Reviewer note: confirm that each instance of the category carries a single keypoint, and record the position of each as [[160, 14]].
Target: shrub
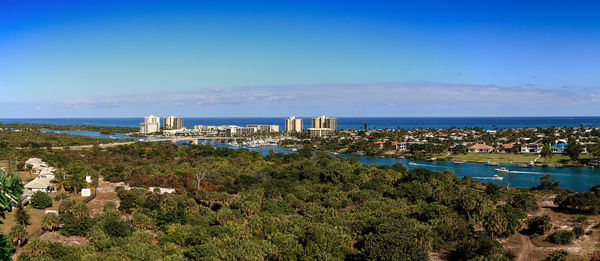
[[41, 200], [50, 222], [578, 230], [117, 228], [62, 196], [74, 227], [558, 255], [562, 237], [539, 225], [524, 201]]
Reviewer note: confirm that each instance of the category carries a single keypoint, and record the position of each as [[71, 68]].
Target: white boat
[[294, 150], [412, 163], [496, 177], [502, 170]]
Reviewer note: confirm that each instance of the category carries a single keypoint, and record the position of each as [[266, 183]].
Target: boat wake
[[489, 178], [427, 165], [536, 173]]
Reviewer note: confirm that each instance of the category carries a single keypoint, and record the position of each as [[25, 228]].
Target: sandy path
[[527, 246]]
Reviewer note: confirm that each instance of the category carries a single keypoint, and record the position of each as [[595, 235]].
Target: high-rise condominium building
[[173, 123], [151, 124], [324, 122], [293, 124]]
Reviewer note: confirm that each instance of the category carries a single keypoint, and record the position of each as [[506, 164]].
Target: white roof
[[33, 160], [39, 183]]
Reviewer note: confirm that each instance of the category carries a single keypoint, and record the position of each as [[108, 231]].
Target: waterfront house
[[480, 148], [559, 148], [402, 146], [532, 147], [505, 148]]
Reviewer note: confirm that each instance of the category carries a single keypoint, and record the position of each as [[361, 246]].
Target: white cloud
[[369, 99]]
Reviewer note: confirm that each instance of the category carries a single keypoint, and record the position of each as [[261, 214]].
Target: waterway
[[577, 179]]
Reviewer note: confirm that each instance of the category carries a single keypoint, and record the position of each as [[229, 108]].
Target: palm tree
[[30, 169], [19, 234], [59, 181], [21, 215], [11, 189], [50, 222]]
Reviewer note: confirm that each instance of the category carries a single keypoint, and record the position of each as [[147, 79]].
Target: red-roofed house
[[505, 148], [480, 148]]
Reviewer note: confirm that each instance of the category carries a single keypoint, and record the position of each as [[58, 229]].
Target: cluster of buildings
[[43, 181], [477, 140], [151, 124], [320, 126], [173, 126]]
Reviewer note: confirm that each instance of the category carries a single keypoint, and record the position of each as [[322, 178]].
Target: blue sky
[[274, 58]]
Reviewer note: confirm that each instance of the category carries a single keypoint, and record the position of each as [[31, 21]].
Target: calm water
[[346, 122], [94, 134], [577, 179]]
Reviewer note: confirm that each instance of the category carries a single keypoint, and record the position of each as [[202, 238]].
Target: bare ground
[[583, 248]]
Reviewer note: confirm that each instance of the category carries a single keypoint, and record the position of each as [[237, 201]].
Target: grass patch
[[510, 158]]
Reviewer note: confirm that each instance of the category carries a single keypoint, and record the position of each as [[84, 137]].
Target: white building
[[151, 124], [319, 132], [293, 124], [532, 148], [173, 123], [174, 132], [264, 128], [236, 131], [324, 122], [36, 163], [42, 184]]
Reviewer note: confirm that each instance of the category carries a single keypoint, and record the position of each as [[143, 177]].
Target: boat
[[432, 159], [502, 170], [459, 161], [412, 163], [294, 149], [492, 163], [496, 177]]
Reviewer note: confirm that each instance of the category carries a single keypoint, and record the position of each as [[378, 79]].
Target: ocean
[[577, 179], [343, 122]]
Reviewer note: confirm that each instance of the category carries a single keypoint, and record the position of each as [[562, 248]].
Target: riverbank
[[511, 158]]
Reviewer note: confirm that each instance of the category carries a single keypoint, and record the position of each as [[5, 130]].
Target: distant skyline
[[280, 58]]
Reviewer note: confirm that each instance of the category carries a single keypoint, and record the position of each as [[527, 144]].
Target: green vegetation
[[10, 190], [104, 129], [35, 139], [562, 237], [558, 255], [585, 202], [237, 204], [41, 200], [539, 225]]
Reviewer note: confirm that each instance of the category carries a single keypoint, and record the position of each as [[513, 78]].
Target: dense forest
[[31, 138], [237, 204], [105, 129]]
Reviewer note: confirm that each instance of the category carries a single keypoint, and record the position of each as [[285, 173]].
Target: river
[[577, 179]]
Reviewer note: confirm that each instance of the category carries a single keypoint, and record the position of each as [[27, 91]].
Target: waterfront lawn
[[510, 158], [492, 157]]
